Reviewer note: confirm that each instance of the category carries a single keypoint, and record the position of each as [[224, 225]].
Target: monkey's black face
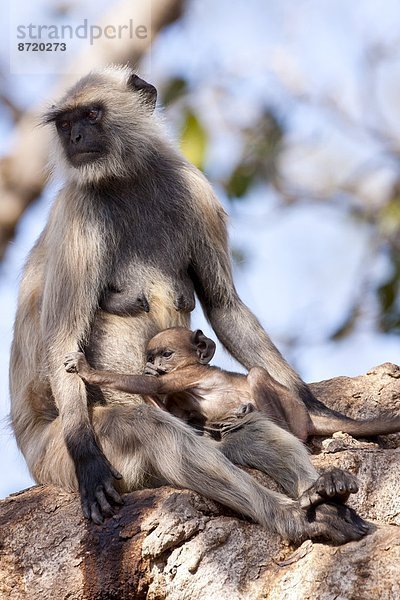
[[82, 134]]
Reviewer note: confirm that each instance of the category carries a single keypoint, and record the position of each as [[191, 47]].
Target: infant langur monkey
[[204, 396], [179, 380]]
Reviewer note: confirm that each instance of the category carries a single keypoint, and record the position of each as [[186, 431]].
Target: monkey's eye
[[167, 354], [65, 125], [94, 114]]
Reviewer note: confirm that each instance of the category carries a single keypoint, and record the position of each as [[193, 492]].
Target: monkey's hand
[[152, 370], [334, 484], [96, 476], [75, 362], [335, 523]]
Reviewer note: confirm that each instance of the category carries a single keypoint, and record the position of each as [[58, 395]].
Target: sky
[[306, 264]]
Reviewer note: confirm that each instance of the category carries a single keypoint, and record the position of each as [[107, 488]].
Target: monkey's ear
[[147, 90], [205, 347]]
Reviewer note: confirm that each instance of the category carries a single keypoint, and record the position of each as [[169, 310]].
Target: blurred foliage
[[389, 219], [348, 324], [175, 88], [389, 293], [389, 297], [262, 145], [193, 139], [239, 257]]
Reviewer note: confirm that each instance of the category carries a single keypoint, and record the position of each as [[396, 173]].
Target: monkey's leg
[[259, 443], [144, 441], [279, 403], [183, 459]]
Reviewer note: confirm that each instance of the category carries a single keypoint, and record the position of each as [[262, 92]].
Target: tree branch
[[166, 543]]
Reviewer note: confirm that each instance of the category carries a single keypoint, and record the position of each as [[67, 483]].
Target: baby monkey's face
[[176, 348], [160, 361]]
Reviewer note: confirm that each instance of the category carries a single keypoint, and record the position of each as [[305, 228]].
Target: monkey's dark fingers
[[95, 479], [72, 361], [70, 366], [151, 370], [112, 493], [95, 514], [106, 508], [101, 504], [90, 509], [85, 505], [245, 409], [96, 507]]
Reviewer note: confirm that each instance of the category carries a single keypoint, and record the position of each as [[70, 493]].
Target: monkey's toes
[[333, 484], [245, 409], [336, 523], [336, 483]]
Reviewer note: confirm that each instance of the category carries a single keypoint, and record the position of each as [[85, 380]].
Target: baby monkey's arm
[[75, 362]]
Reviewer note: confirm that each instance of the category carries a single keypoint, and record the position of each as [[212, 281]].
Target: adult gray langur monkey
[[134, 232]]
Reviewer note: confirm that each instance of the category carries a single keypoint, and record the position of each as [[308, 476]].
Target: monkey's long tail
[[328, 424]]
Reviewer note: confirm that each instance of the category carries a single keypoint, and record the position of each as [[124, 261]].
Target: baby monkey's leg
[[278, 403]]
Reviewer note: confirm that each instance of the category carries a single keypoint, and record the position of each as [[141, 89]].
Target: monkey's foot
[[336, 523], [333, 484], [245, 409]]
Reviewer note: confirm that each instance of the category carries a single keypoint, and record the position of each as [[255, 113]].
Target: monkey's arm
[[235, 325], [70, 298], [149, 385]]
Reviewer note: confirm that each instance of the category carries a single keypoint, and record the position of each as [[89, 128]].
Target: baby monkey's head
[[176, 348]]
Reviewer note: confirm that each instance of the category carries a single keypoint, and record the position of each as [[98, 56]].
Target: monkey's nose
[[76, 135]]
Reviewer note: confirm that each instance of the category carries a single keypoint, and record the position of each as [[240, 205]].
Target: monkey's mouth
[[85, 156]]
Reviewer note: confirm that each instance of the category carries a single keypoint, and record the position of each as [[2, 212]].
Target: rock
[[175, 544]]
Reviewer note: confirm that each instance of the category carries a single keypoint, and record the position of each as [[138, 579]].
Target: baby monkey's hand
[[150, 369], [75, 362]]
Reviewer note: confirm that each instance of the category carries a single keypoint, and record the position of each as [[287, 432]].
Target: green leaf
[[176, 88], [262, 145], [194, 140], [388, 295], [240, 181]]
